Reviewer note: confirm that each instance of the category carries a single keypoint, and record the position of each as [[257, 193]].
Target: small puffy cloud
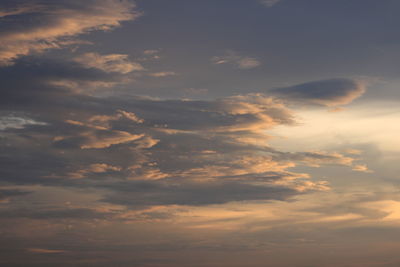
[[240, 62], [151, 52], [94, 169], [109, 63], [361, 168], [55, 24], [330, 93], [163, 74]]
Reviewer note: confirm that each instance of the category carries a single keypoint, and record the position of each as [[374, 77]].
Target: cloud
[[122, 146], [240, 62], [151, 52], [109, 63], [95, 138], [95, 168], [55, 213], [162, 74], [16, 10], [15, 122], [196, 91], [269, 3], [56, 24], [361, 168], [317, 158], [194, 194], [138, 151], [50, 80], [46, 251], [103, 121], [6, 194], [248, 63], [330, 93]]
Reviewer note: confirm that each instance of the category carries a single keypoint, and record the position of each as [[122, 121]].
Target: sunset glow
[[199, 133]]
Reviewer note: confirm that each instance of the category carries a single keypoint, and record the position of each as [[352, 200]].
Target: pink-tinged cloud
[[109, 63], [45, 251], [57, 24]]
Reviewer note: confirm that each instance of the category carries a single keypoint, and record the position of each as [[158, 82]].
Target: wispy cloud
[[109, 63], [269, 3], [16, 122], [233, 58], [46, 251], [57, 24]]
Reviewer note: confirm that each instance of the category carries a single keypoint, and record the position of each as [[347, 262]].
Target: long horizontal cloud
[[332, 92], [6, 194], [155, 194]]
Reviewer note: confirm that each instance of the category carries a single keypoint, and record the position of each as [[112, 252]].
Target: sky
[[229, 133]]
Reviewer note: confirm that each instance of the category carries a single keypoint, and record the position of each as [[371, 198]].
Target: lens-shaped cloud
[[331, 92]]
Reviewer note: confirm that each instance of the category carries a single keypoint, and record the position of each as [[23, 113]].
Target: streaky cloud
[[55, 24]]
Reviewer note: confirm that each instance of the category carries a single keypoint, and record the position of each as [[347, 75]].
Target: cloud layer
[[123, 145], [92, 173]]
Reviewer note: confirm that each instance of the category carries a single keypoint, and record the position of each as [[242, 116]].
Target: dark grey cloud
[[37, 81], [332, 92], [96, 142], [40, 213], [144, 194], [5, 194]]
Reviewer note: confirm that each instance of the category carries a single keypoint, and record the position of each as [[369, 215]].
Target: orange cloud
[[57, 24]]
